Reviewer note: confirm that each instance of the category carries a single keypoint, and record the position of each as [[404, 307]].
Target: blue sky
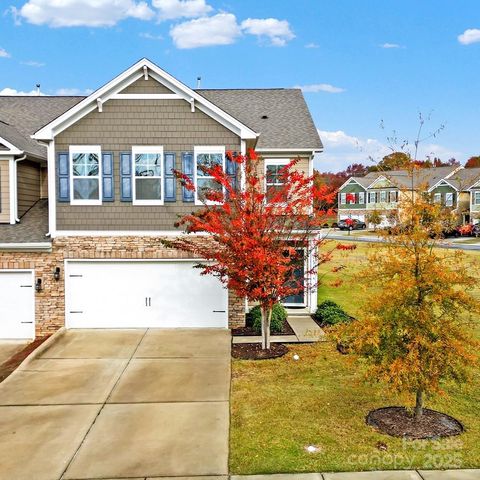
[[359, 62]]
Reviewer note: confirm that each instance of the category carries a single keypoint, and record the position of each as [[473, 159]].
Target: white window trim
[[85, 149], [138, 149], [476, 198], [370, 194], [283, 162], [205, 149], [343, 198], [383, 196], [447, 202], [361, 198], [437, 198]]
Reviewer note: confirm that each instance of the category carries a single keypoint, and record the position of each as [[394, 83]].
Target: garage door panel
[[17, 305], [142, 294]]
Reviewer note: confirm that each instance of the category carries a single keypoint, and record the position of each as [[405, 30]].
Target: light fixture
[[56, 273], [38, 285]]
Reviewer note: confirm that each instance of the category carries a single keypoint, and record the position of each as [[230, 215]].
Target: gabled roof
[[465, 178], [21, 116], [143, 67], [357, 180], [279, 115]]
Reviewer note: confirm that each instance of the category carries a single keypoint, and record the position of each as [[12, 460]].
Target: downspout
[[15, 186]]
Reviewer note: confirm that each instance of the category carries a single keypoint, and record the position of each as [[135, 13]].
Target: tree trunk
[[266, 319], [419, 403]]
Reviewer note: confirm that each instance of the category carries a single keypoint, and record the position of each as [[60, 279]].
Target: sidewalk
[[384, 475]]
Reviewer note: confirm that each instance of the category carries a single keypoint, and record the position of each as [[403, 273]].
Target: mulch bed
[[254, 351], [13, 362], [399, 422], [250, 332]]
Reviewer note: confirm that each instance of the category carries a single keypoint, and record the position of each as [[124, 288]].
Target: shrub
[[279, 317], [330, 313]]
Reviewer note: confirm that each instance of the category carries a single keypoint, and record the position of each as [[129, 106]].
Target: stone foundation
[[50, 302]]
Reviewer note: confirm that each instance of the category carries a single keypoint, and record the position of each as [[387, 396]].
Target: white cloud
[[341, 150], [4, 53], [277, 31], [320, 87], [73, 92], [172, 9], [471, 35], [220, 29], [390, 45], [150, 36], [11, 92], [80, 13], [32, 63], [312, 45]]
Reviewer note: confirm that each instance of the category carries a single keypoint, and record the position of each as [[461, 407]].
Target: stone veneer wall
[[50, 302]]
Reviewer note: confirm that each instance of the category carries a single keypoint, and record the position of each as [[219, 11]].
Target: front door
[[298, 299]]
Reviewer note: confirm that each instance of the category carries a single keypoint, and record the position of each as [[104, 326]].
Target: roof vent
[[264, 117]]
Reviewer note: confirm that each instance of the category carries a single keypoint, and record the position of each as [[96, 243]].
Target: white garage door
[[129, 294], [17, 304]]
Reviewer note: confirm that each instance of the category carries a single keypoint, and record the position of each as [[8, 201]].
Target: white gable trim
[[439, 184], [475, 185], [351, 179], [382, 177], [12, 149], [129, 76]]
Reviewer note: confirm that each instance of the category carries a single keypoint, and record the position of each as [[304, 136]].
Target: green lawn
[[281, 406]]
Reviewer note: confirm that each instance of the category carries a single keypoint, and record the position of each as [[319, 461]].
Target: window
[[343, 198], [383, 196], [361, 198], [207, 157], [85, 184], [476, 198], [273, 174], [437, 198], [372, 197], [148, 175], [393, 196], [449, 199]]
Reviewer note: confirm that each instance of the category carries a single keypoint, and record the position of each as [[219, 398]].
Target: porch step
[[306, 330], [297, 312]]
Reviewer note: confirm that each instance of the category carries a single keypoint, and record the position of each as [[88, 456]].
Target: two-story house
[[383, 192], [87, 190]]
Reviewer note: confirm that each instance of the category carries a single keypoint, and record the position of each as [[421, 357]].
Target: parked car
[[351, 224], [476, 230]]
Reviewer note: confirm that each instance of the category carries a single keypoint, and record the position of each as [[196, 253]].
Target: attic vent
[[264, 117]]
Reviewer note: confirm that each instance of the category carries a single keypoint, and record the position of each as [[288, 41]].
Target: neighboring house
[[383, 192], [475, 202], [455, 192], [87, 190]]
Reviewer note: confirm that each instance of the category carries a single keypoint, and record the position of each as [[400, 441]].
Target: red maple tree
[[257, 236]]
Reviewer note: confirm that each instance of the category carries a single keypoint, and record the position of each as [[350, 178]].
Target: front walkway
[[304, 328], [119, 404]]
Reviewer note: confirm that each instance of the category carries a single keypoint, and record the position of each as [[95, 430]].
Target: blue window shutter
[[231, 168], [126, 177], [63, 174], [108, 190], [170, 182], [187, 169]]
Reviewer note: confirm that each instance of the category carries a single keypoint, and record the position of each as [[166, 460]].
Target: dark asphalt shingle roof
[[288, 123], [403, 179], [22, 116], [32, 228], [464, 178]]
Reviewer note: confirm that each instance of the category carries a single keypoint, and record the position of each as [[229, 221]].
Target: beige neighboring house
[[87, 190]]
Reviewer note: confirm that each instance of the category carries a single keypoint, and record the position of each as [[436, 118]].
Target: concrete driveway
[[111, 404]]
